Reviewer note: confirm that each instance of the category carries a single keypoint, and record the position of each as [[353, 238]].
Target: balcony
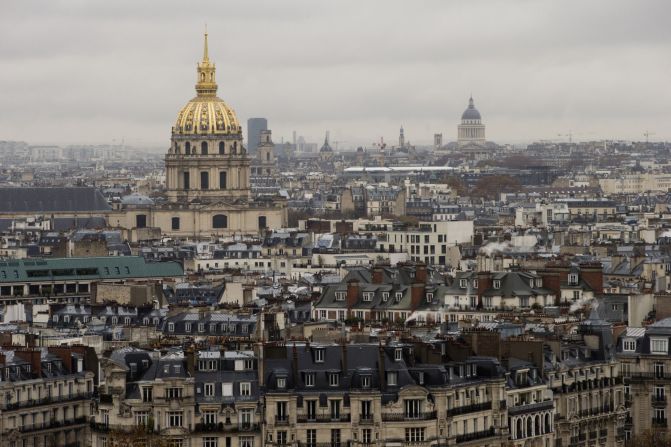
[[101, 427], [476, 435], [532, 407], [322, 418], [400, 417], [465, 409], [658, 401], [52, 425], [659, 423], [47, 400], [589, 412], [366, 419], [221, 427], [281, 420]]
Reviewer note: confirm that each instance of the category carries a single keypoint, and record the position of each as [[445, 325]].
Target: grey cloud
[[93, 71]]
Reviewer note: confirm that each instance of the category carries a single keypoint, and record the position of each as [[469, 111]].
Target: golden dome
[[206, 113]]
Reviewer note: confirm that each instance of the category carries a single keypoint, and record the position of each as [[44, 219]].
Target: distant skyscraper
[[254, 128], [401, 138]]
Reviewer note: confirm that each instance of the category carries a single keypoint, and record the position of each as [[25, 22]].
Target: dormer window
[[497, 283], [420, 378], [340, 296], [463, 283], [281, 383], [392, 378], [429, 297], [573, 279], [629, 345], [399, 295], [171, 327], [385, 296], [187, 327], [368, 296], [310, 379], [539, 283], [398, 354], [334, 379], [365, 381], [475, 283], [659, 345], [319, 355]]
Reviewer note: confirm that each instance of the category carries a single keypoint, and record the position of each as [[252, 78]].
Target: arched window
[[262, 223], [222, 148], [187, 148], [219, 221], [267, 156], [175, 223], [235, 147], [203, 148], [176, 148]]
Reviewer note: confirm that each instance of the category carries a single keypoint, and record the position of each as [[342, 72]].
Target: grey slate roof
[[53, 199]]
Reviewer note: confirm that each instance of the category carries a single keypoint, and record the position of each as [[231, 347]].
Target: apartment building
[[45, 396], [645, 362], [363, 394], [206, 398], [429, 242]]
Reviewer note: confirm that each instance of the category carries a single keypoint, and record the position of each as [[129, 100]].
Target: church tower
[[207, 161]]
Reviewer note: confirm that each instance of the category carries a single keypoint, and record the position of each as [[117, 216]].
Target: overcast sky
[[97, 71]]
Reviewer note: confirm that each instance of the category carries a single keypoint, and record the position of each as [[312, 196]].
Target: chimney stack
[[421, 273], [32, 356], [378, 275], [381, 368], [352, 293], [294, 367]]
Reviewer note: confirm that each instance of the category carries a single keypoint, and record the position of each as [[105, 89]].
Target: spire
[[206, 57], [206, 84], [470, 102]]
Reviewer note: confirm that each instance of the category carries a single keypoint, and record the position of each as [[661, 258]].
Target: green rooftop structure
[[73, 276]]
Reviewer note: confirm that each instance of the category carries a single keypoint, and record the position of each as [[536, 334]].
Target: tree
[[455, 183], [651, 438], [490, 187]]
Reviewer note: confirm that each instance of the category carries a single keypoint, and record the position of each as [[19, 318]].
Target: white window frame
[[659, 345]]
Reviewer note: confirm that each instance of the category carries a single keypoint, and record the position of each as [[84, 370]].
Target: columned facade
[[471, 130]]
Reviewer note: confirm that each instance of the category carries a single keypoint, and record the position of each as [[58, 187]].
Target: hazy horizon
[[81, 72]]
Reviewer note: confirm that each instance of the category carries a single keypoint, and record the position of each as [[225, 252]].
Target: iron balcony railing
[[476, 435], [472, 408], [46, 400], [397, 417]]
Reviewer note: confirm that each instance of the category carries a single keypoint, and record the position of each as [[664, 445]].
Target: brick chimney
[[484, 284], [420, 273], [552, 281], [34, 357], [417, 294], [378, 275], [190, 355], [343, 344], [352, 293], [65, 354], [381, 368], [294, 367], [592, 274]]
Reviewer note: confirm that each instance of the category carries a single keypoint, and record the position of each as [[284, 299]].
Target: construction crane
[[647, 135], [569, 135]]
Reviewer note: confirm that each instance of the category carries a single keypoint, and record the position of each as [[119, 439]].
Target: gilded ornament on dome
[[204, 119], [188, 125], [220, 120]]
